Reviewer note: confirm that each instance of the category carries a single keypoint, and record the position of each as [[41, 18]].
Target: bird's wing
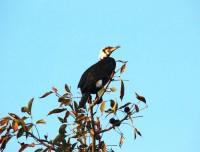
[[101, 69]]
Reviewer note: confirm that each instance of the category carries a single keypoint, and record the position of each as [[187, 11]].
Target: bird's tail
[[84, 99]]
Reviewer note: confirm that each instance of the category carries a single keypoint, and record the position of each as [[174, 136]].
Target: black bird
[[96, 76]]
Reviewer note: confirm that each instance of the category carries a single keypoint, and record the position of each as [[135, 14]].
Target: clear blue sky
[[45, 43]]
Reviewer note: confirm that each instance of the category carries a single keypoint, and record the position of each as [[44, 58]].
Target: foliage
[[80, 129]]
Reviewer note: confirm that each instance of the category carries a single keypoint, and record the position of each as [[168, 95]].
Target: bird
[[97, 75]]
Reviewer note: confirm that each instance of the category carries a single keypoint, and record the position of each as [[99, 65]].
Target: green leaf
[[113, 89], [59, 138], [41, 121], [22, 123], [100, 92], [29, 127], [56, 111], [30, 105], [67, 102], [20, 132], [122, 90], [62, 129], [102, 107], [61, 120], [139, 133]]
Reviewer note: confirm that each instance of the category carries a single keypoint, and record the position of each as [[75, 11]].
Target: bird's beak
[[115, 48]]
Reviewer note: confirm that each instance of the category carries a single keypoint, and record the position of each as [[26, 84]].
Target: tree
[[81, 129]]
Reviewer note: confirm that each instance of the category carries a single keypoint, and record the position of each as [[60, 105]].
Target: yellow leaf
[[30, 105], [115, 107], [113, 89], [130, 119], [41, 121], [121, 140], [102, 107]]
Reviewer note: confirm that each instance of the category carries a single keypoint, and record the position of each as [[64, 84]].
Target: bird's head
[[106, 52]]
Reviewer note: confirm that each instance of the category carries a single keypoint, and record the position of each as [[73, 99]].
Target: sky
[[46, 43]]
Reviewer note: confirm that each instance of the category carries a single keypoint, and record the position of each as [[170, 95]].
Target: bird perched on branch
[[96, 76]]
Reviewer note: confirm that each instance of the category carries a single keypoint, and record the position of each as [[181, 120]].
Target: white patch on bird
[[99, 84], [102, 55]]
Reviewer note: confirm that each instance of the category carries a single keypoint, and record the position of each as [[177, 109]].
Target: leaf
[[141, 98], [104, 147], [29, 127], [112, 103], [48, 149], [14, 115], [115, 107], [24, 146], [41, 121], [100, 92], [75, 106], [135, 133], [81, 118], [122, 90], [22, 123], [20, 132], [67, 102], [138, 133], [121, 141], [102, 107], [62, 129], [67, 88], [56, 111], [66, 115], [46, 94], [61, 120], [15, 125], [113, 89], [137, 108], [131, 119], [122, 68], [30, 105], [4, 120], [25, 109], [54, 89], [4, 140], [2, 129], [59, 138], [125, 105], [32, 144]]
